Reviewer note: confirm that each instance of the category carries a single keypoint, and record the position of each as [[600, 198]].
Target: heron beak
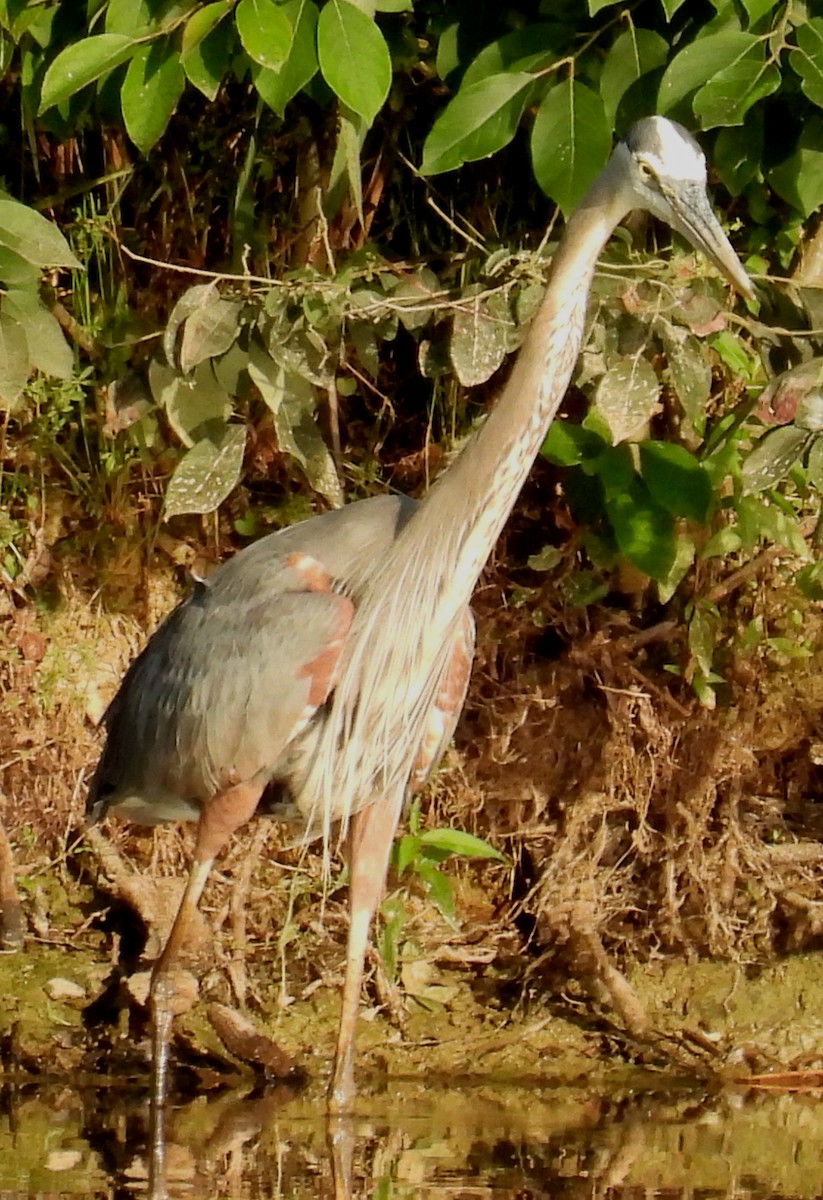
[[692, 216]]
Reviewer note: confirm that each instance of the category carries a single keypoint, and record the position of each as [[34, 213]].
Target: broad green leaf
[[757, 9], [277, 87], [807, 59], [627, 397], [571, 141], [15, 366], [418, 296], [210, 330], [478, 341], [773, 457], [193, 405], [129, 17], [354, 58], [738, 153], [633, 54], [799, 178], [699, 62], [456, 841], [48, 349], [814, 466], [199, 296], [644, 530], [206, 474], [32, 237], [676, 480], [569, 445], [292, 400], [207, 48], [690, 372], [82, 63], [670, 7], [154, 83], [201, 22], [730, 94], [479, 121], [265, 31], [18, 272], [525, 49]]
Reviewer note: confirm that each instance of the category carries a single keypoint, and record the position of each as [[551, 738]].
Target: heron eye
[[645, 170]]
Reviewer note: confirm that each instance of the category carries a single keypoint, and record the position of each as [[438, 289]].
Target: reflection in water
[[408, 1142]]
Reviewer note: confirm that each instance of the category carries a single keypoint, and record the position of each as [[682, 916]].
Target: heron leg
[[218, 820], [370, 840]]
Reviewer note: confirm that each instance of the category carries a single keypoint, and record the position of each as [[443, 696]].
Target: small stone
[[64, 989]]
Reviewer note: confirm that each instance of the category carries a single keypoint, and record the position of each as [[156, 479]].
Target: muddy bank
[[659, 904]]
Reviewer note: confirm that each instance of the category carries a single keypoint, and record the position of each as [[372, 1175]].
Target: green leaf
[[635, 53], [207, 46], [676, 480], [478, 341], [206, 474], [700, 61], [194, 406], [292, 400], [438, 887], [730, 94], [405, 852], [814, 466], [479, 121], [354, 58], [48, 349], [773, 457], [456, 841], [738, 153], [15, 366], [154, 83], [643, 529], [210, 330], [130, 17], [265, 31], [799, 178], [571, 141], [627, 397], [32, 237], [569, 445], [82, 63], [690, 372], [277, 87], [526, 49], [807, 59]]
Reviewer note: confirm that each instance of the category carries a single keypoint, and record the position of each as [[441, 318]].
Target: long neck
[[412, 602], [481, 487]]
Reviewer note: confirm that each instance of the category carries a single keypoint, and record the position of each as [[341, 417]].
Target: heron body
[[330, 661]]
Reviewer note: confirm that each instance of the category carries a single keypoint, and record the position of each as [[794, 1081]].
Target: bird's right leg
[[370, 841], [219, 818]]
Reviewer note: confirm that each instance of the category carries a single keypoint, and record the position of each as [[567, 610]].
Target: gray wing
[[239, 669], [215, 698]]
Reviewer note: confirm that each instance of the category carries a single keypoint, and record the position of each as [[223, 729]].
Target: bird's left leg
[[370, 841], [219, 818]]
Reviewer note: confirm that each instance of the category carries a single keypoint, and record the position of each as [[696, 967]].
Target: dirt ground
[[660, 904]]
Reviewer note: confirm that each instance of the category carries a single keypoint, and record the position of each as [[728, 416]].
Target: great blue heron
[[330, 661]]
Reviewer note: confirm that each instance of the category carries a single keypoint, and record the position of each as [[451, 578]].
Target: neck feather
[[413, 601]]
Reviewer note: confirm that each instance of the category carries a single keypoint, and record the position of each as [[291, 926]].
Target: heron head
[[665, 171]]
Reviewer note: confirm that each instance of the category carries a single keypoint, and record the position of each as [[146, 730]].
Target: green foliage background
[[294, 232]]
